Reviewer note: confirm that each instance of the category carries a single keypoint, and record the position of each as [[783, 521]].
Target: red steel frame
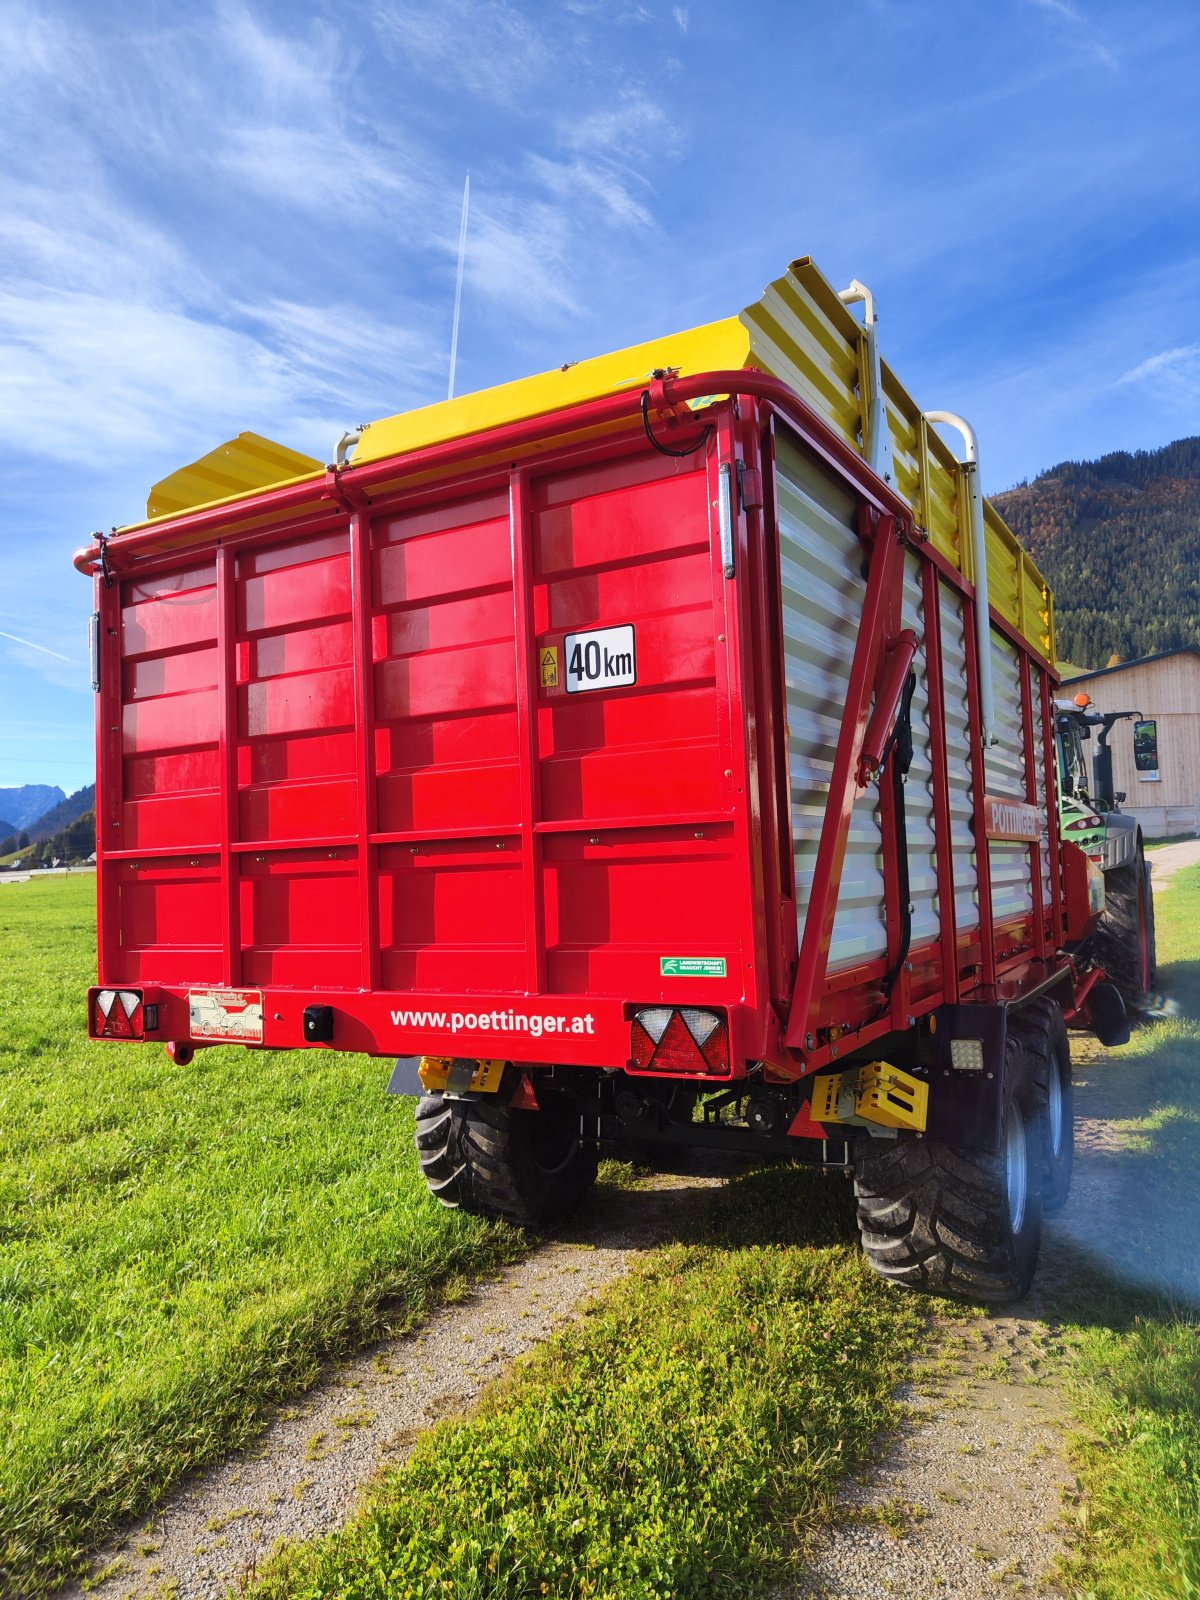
[[794, 1017]]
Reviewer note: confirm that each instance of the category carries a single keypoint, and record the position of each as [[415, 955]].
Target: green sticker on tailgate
[[691, 966]]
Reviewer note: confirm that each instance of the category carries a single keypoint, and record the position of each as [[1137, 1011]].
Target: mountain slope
[[26, 804], [67, 810], [1119, 541]]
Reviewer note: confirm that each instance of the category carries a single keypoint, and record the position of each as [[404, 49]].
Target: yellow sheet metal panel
[[711, 348], [936, 500], [801, 332], [239, 466], [1003, 556]]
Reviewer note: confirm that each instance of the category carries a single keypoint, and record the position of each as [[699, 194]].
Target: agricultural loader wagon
[[661, 748]]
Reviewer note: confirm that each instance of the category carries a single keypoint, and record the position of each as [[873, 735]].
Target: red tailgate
[[480, 745]]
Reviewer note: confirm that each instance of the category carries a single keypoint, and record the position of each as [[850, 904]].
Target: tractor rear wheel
[[1123, 942], [529, 1167], [954, 1221]]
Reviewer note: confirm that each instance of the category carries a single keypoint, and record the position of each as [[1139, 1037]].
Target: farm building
[[1156, 757]]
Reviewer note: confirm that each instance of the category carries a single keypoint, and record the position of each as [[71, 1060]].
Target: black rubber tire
[[1043, 1034], [529, 1167], [1121, 942], [1151, 932], [937, 1218]]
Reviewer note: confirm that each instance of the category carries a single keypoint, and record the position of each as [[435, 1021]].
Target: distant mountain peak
[[25, 805]]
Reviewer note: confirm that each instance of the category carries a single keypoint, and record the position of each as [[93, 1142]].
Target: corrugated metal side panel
[[803, 334], [958, 754], [1005, 761], [1012, 890], [918, 791], [1012, 886], [822, 591]]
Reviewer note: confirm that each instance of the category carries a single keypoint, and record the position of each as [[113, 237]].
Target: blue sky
[[244, 214]]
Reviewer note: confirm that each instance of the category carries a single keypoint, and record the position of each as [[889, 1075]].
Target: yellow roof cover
[[798, 331], [239, 466]]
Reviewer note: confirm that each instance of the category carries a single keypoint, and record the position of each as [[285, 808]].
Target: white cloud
[[289, 71], [1175, 372], [317, 169], [93, 379], [634, 126], [520, 258], [487, 46], [35, 46], [335, 348], [1062, 8], [680, 15], [612, 186], [615, 12], [1082, 33]]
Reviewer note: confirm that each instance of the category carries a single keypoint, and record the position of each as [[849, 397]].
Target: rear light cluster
[[680, 1039], [120, 1014]]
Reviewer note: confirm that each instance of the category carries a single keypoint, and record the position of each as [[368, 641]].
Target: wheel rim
[[1015, 1169], [1054, 1108]]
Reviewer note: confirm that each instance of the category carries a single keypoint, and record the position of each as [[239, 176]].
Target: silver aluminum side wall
[[823, 590], [1012, 878], [918, 791]]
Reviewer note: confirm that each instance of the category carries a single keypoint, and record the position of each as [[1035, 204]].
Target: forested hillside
[[64, 813], [1119, 541]]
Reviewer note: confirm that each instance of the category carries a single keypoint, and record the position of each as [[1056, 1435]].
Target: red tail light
[[680, 1039], [120, 1014]]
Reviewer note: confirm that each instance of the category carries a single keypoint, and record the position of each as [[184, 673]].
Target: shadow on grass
[[1125, 1247], [772, 1204]]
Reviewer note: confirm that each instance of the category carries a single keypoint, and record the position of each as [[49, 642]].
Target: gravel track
[[304, 1473], [1167, 859]]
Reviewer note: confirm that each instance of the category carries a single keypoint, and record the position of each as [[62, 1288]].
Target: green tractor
[[1091, 817]]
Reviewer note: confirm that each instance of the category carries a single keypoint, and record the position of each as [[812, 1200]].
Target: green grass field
[[178, 1246], [1135, 1373]]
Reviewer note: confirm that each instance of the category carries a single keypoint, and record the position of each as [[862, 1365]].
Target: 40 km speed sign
[[606, 658]]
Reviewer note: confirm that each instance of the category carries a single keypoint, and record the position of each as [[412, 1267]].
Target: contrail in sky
[[46, 651]]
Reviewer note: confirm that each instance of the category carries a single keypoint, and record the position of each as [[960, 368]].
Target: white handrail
[[969, 468]]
